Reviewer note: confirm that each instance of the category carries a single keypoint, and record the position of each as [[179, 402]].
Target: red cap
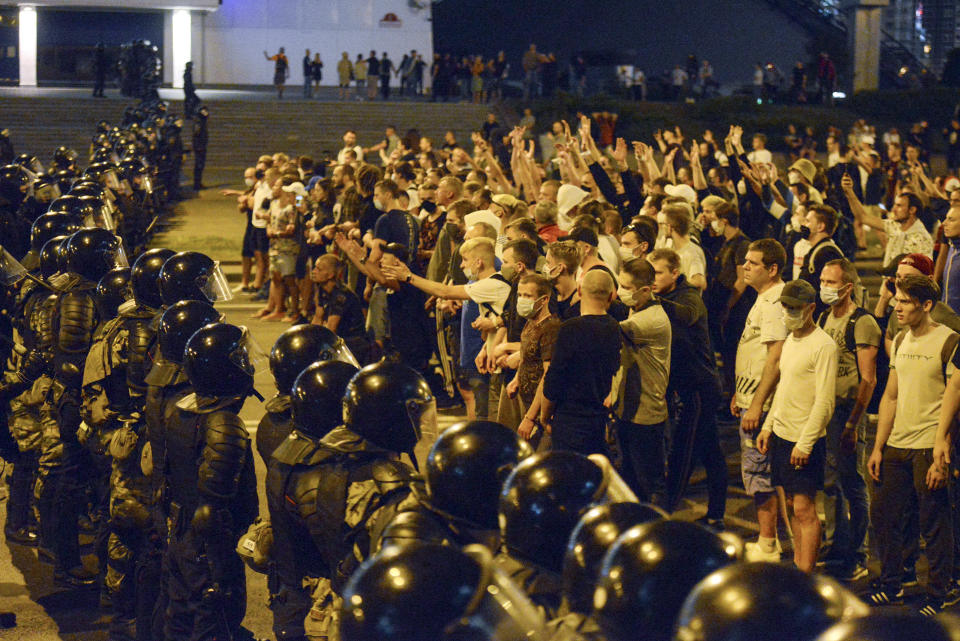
[[921, 262]]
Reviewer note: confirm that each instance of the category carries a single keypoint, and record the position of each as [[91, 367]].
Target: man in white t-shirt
[[757, 370], [794, 433], [908, 476], [905, 232], [488, 288], [349, 144], [693, 263]]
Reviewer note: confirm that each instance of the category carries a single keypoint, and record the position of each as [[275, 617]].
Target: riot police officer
[[540, 504], [292, 485], [764, 601], [436, 592], [87, 256], [114, 380], [357, 473], [212, 487], [294, 350], [464, 472], [650, 570], [192, 276]]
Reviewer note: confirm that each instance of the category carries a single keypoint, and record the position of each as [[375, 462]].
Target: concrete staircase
[[241, 128]]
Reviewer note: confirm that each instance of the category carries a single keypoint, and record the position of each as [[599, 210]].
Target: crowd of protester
[[702, 274]]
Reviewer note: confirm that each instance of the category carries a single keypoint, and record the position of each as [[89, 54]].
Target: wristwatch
[[409, 278]]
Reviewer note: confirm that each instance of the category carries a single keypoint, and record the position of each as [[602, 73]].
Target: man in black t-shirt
[[578, 382], [338, 308]]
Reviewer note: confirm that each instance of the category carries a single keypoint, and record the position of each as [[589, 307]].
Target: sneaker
[[930, 606], [25, 536], [849, 573], [910, 578], [75, 577], [753, 553], [879, 595], [717, 525]]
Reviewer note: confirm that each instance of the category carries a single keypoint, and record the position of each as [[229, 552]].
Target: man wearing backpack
[[822, 222], [924, 355], [858, 338]]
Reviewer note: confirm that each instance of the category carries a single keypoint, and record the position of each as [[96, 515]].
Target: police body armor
[[313, 485], [275, 426]]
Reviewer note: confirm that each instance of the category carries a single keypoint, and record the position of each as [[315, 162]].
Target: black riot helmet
[[764, 601], [179, 322], [192, 276], [51, 224], [302, 345], [30, 163], [650, 570], [112, 291], [103, 172], [51, 256], [466, 467], [95, 213], [220, 360], [87, 187], [438, 592], [15, 184], [316, 396], [590, 540], [67, 204], [65, 178], [542, 501], [144, 275], [64, 157], [890, 626], [388, 403], [92, 252]]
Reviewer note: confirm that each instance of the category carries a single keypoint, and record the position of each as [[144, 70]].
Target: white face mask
[[829, 295], [793, 320], [378, 204], [526, 307], [627, 297], [249, 181], [716, 226], [661, 218], [626, 253]]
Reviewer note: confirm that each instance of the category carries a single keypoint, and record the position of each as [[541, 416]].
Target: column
[[864, 21], [28, 46], [180, 44]]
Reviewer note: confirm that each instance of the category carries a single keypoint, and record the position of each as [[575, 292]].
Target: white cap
[[568, 197], [683, 191], [295, 188]]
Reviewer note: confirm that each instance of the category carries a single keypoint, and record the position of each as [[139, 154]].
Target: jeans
[[903, 479], [307, 90], [845, 502], [582, 434], [643, 459]]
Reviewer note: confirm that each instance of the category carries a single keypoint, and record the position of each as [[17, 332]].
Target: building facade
[[225, 39]]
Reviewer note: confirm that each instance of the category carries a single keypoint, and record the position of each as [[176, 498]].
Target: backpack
[[946, 351], [849, 337]]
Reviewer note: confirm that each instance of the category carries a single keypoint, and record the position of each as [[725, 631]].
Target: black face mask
[[804, 232], [259, 174]]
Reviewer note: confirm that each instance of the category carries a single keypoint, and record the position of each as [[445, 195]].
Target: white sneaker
[[753, 553]]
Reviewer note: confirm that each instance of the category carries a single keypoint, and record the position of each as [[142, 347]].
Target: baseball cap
[[584, 235], [295, 188], [920, 262], [505, 200], [683, 191], [798, 293]]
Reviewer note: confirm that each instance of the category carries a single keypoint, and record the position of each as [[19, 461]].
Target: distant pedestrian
[[386, 68], [281, 70], [307, 75], [201, 136], [344, 75], [316, 70], [191, 102], [99, 70]]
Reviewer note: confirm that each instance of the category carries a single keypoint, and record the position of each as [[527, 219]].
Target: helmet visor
[[101, 217], [500, 611], [250, 355], [340, 352], [109, 179], [615, 489], [216, 288], [120, 258], [64, 282], [146, 183], [423, 417], [47, 192], [11, 271]]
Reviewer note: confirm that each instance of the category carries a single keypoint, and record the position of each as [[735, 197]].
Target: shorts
[[806, 480], [286, 264], [279, 78], [246, 249], [361, 82], [258, 239], [754, 466]]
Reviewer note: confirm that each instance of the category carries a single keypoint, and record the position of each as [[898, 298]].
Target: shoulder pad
[[295, 449], [162, 373], [277, 404], [388, 474], [414, 523]]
